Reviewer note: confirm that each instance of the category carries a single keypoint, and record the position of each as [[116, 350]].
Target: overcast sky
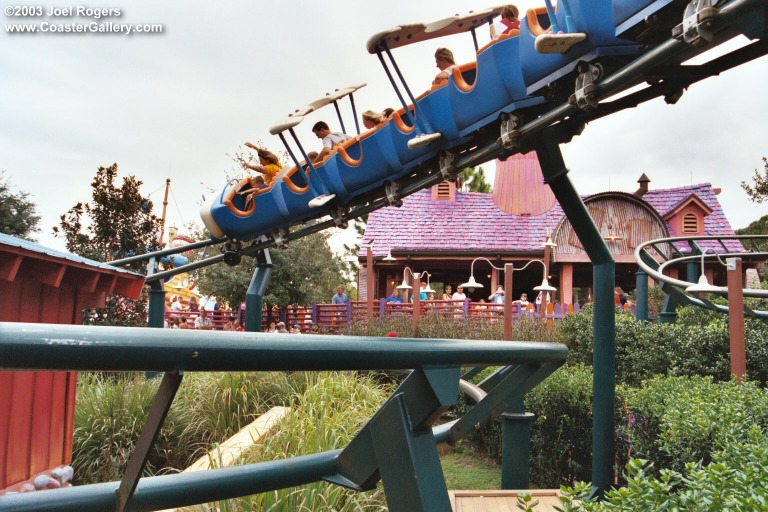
[[177, 104]]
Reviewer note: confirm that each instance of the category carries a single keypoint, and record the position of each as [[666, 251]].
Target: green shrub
[[734, 480], [432, 326], [561, 435], [642, 349], [677, 420], [697, 344]]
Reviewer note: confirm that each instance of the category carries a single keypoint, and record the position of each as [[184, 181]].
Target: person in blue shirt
[[395, 297], [498, 297], [423, 292], [340, 297]]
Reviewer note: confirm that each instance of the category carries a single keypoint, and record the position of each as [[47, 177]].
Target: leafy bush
[[432, 326], [561, 435], [734, 480], [642, 349], [677, 420], [697, 344]]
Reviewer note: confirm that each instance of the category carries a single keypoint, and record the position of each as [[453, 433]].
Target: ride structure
[[513, 99]]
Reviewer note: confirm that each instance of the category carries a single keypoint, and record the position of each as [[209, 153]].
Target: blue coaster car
[[628, 14], [592, 21]]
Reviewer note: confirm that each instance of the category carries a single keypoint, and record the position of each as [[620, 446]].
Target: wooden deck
[[501, 501]]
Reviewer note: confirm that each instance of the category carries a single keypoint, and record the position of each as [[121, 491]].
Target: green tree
[[118, 222], [306, 271], [760, 192], [473, 180], [18, 215]]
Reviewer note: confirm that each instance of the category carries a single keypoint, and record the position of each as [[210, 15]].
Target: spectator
[[330, 139], [619, 297], [296, 329], [445, 63], [498, 297], [423, 292], [372, 119], [183, 322], [509, 20], [176, 306], [395, 297], [523, 300], [232, 324], [315, 329], [272, 327], [193, 306], [340, 297], [447, 294], [202, 322], [459, 296], [269, 163], [281, 328]]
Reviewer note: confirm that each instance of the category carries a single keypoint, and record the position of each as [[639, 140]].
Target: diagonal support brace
[[408, 461], [157, 413]]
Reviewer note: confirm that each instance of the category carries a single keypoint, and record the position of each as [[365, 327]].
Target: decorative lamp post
[[508, 268], [416, 279]]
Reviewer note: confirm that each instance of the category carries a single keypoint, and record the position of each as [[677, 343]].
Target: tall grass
[[109, 414], [324, 417], [111, 409]]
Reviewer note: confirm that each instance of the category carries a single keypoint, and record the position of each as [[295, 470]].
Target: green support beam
[[604, 279], [254, 297]]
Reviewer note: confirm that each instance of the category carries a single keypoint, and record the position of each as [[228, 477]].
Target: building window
[[690, 223]]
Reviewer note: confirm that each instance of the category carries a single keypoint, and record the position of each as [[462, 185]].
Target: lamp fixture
[[472, 284], [545, 286], [389, 256], [703, 287], [508, 267], [404, 285], [549, 243], [419, 275]]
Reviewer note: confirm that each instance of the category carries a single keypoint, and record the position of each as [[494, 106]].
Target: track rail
[[644, 257]]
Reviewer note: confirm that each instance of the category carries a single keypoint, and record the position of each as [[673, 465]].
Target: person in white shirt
[[459, 295], [330, 139], [202, 322], [445, 63]]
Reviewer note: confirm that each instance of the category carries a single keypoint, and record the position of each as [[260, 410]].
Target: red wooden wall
[[39, 285]]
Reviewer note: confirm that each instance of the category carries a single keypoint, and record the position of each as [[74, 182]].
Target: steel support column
[[604, 278], [254, 297], [641, 296], [516, 449]]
